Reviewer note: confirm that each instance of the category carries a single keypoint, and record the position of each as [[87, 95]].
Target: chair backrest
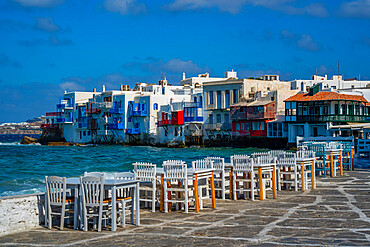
[[218, 163], [92, 189], [242, 163], [145, 171], [124, 176], [275, 153], [317, 148], [94, 174], [175, 170], [260, 154], [202, 164], [119, 176], [56, 190], [334, 145], [289, 159], [264, 159], [306, 154]]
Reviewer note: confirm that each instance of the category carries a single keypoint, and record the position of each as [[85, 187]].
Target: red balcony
[[53, 114], [93, 110], [177, 118], [49, 126]]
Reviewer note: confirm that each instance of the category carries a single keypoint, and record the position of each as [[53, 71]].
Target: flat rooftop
[[336, 213]]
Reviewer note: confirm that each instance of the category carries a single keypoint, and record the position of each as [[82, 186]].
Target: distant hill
[[29, 127]]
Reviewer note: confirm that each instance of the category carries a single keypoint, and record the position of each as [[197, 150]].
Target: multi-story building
[[336, 82], [311, 114]]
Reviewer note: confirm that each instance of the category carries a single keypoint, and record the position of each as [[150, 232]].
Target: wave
[[22, 192]]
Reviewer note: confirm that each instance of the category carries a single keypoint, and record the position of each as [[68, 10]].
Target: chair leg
[[100, 218], [124, 213], [85, 219], [252, 186], [223, 186], [186, 197], [50, 222], [165, 198], [234, 186], [153, 197], [62, 217]]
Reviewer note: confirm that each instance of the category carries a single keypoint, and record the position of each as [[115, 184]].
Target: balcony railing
[[218, 126], [141, 113], [171, 122], [193, 104], [193, 119], [104, 133], [65, 104], [237, 115], [49, 126], [116, 126], [331, 118], [64, 120], [92, 126], [82, 125], [104, 105], [117, 110], [93, 110], [133, 131], [53, 114]]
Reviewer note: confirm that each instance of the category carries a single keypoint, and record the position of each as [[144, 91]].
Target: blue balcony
[[133, 131], [137, 110], [193, 104], [117, 110], [64, 120], [116, 126], [193, 119], [82, 125]]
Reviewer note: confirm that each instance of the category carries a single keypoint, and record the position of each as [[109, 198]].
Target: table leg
[[352, 161], [313, 174], [302, 175], [76, 209], [114, 209], [260, 182], [231, 184], [341, 163], [137, 202], [213, 191], [162, 193], [331, 164], [169, 196], [196, 193], [46, 209], [274, 182]]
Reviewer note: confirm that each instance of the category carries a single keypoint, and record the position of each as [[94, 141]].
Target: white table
[[112, 185]]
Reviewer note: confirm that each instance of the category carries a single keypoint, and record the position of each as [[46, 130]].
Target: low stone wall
[[19, 213]]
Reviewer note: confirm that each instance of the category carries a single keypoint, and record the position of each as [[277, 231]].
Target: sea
[[24, 167]]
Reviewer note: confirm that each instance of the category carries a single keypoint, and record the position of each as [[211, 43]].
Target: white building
[[336, 82]]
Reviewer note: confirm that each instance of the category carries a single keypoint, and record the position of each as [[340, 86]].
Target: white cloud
[[235, 6], [71, 86], [303, 41], [124, 7], [307, 43], [39, 3], [356, 9], [46, 24]]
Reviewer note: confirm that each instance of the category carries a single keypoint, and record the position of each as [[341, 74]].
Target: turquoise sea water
[[23, 167]]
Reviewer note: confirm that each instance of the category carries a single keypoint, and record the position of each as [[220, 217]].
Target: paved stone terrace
[[336, 213]]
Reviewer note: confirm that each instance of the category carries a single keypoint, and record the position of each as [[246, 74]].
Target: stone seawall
[[19, 213]]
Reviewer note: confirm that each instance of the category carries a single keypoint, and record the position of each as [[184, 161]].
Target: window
[[235, 96], [218, 99], [218, 118], [344, 109], [336, 109], [80, 134], [211, 97], [227, 98], [237, 126], [227, 118], [210, 118], [88, 133], [155, 106], [84, 133], [246, 126]]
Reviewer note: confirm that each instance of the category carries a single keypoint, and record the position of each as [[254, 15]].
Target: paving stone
[[320, 217]]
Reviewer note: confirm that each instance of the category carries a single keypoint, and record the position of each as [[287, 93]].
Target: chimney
[[94, 90], [183, 76], [103, 88], [122, 87]]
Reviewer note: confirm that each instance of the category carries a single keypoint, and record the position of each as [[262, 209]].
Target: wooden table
[[195, 175], [109, 185], [305, 163]]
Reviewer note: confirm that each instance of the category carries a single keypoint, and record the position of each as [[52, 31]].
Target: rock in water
[[28, 140]]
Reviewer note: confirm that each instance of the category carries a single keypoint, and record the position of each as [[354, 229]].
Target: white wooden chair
[[306, 158], [56, 196], [267, 172], [92, 190], [243, 176], [176, 175], [220, 176], [287, 172], [124, 197], [146, 173], [203, 182]]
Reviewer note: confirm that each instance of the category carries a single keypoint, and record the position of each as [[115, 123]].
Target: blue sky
[[48, 46]]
